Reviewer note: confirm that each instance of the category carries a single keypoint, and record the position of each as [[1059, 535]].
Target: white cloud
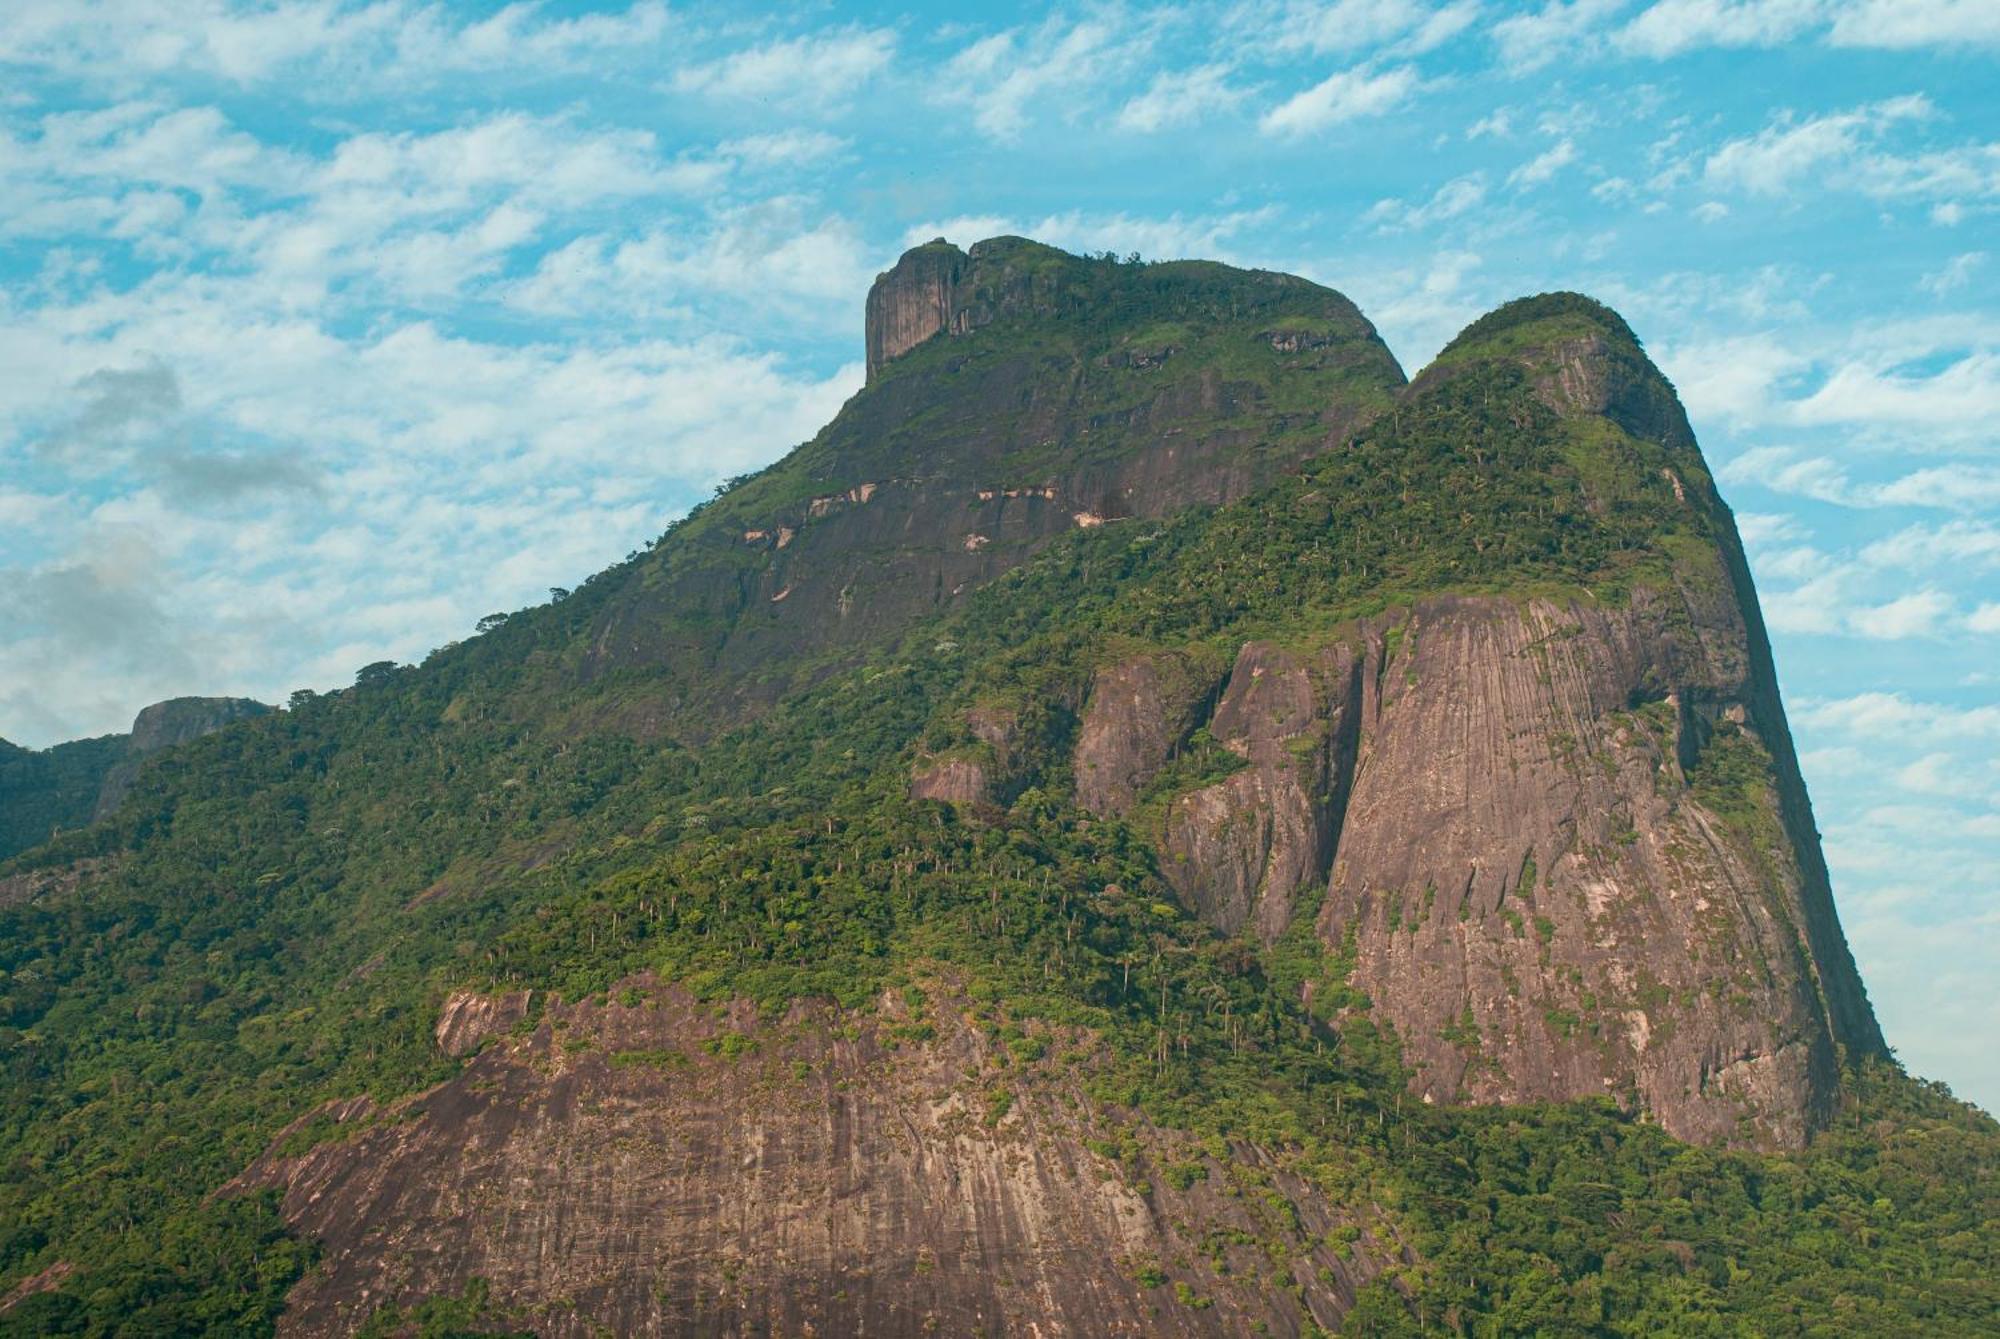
[[418, 217], [1952, 487], [1532, 41], [1180, 97], [1985, 619], [1344, 26], [1672, 27], [1845, 151], [1543, 166], [549, 158], [773, 255], [1941, 773], [1915, 615], [1498, 123], [1757, 528], [1669, 28], [1006, 77], [1954, 274], [1964, 394], [1953, 546], [1440, 26], [1892, 716], [1458, 196], [1779, 157], [1839, 760], [1738, 377], [1345, 96], [1418, 310], [817, 70], [1934, 382], [140, 144], [333, 51], [1915, 23], [783, 148], [1966, 170]]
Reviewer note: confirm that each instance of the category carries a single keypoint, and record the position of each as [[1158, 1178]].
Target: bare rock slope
[[1016, 395], [655, 1166], [1563, 842], [1556, 836]]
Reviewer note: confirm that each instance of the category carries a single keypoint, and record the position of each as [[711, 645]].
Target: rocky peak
[[178, 720], [938, 289], [1581, 356], [1016, 394], [912, 301]]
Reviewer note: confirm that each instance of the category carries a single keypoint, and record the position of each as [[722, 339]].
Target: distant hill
[[43, 792]]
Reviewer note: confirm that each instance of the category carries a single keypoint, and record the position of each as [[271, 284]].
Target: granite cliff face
[[74, 784], [1565, 843], [1073, 849], [667, 1168], [1093, 393], [178, 720]]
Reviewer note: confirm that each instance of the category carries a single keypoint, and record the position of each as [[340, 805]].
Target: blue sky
[[326, 328]]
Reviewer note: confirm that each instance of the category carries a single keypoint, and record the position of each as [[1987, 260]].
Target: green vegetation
[[285, 904], [1572, 1221], [44, 791]]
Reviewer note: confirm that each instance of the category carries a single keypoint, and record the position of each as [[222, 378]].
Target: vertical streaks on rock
[[912, 302], [628, 1168], [1237, 851], [1542, 902], [1139, 714]]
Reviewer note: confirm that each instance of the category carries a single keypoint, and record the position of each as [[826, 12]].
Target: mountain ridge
[[78, 782], [1171, 855]]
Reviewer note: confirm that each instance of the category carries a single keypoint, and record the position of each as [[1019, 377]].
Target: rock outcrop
[[966, 456], [178, 720], [1545, 893], [953, 780], [912, 302], [1241, 850], [74, 784], [665, 1167], [1142, 711], [1564, 843]]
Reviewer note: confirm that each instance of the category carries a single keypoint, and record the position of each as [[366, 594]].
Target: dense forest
[[277, 911]]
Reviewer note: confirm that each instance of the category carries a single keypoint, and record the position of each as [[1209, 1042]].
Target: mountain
[[73, 784], [1148, 823]]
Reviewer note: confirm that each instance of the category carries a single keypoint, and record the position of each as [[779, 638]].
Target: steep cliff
[[178, 720], [1563, 839], [1146, 824], [668, 1168], [1068, 394]]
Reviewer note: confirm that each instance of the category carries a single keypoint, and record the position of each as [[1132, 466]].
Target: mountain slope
[[1573, 849], [1062, 928], [71, 785], [1093, 393]]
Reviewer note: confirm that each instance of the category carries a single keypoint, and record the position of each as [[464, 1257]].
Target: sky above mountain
[[327, 328]]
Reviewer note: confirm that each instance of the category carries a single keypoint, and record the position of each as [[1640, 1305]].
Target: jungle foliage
[[286, 903]]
